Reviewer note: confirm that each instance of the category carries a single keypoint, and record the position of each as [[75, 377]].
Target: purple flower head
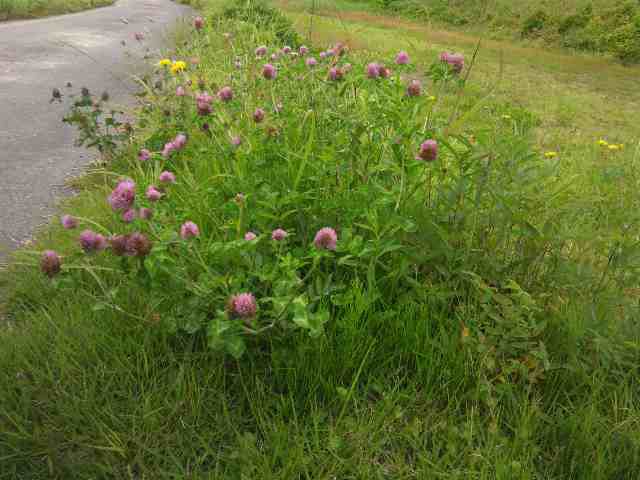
[[145, 213], [225, 94], [454, 60], [414, 89], [189, 230], [428, 151], [168, 149], [123, 196], [385, 72], [118, 244], [326, 238], [261, 51], [236, 141], [137, 245], [286, 49], [242, 305], [180, 141], [203, 103], [153, 194], [198, 23], [279, 234], [311, 62], [91, 241], [373, 70], [250, 236], [167, 177], [402, 58], [180, 91], [303, 50], [144, 155], [139, 36], [50, 263], [258, 115], [269, 71], [335, 74], [323, 55], [129, 216], [69, 222]]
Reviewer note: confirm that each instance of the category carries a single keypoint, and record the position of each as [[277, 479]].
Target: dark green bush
[[534, 24]]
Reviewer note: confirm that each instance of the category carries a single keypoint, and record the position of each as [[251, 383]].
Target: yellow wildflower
[[614, 147], [431, 98], [551, 154], [506, 117], [165, 62], [178, 67], [603, 143]]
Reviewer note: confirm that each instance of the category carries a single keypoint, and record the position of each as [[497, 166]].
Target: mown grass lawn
[[14, 9], [477, 317]]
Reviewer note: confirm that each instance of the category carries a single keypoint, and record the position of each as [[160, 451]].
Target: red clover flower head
[[335, 74], [69, 222], [250, 236], [167, 177], [153, 194], [189, 230], [414, 89], [144, 155], [373, 70], [118, 244], [123, 196], [198, 23], [428, 151], [303, 50], [326, 238], [286, 49], [279, 234], [225, 94], [138, 245], [243, 305], [402, 58], [129, 215], [180, 91], [91, 241], [261, 51], [269, 71], [311, 62], [50, 263], [258, 115]]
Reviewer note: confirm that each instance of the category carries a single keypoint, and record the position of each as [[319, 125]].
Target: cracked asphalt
[[37, 152]]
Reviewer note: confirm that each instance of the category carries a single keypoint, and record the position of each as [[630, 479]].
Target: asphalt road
[[37, 152]]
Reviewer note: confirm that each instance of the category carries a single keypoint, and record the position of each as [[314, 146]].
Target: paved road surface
[[36, 149]]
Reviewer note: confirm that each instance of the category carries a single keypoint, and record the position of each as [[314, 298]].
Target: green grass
[[14, 9], [600, 26], [482, 309]]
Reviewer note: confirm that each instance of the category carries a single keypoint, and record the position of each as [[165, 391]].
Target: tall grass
[[10, 9], [476, 319]]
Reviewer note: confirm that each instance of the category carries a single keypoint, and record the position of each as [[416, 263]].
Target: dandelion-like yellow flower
[[178, 67], [603, 143], [165, 62], [506, 117], [431, 98], [551, 154], [614, 147]]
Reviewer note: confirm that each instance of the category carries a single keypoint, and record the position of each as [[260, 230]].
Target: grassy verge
[[14, 9], [475, 320], [589, 25]]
